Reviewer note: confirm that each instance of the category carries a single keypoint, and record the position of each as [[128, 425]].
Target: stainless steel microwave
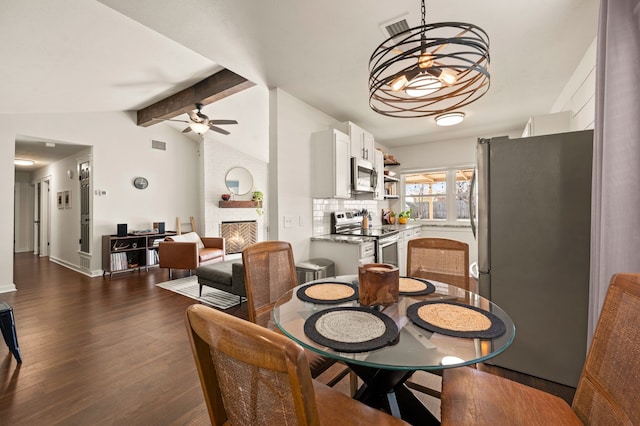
[[364, 176]]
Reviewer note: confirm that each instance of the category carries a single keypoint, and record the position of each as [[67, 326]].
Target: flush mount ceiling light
[[23, 162], [429, 70], [450, 118]]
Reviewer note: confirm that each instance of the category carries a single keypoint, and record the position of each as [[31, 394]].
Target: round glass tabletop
[[415, 348]]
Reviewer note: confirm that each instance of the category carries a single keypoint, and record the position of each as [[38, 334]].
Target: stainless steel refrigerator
[[534, 220]]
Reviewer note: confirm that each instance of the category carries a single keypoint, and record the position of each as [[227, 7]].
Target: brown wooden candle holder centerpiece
[[378, 284]]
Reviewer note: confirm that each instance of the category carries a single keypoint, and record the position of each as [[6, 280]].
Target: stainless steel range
[[350, 223]]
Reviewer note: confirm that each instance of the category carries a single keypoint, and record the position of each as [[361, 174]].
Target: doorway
[[50, 224], [42, 217]]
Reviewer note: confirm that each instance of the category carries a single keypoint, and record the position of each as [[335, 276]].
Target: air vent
[[397, 27], [162, 146]]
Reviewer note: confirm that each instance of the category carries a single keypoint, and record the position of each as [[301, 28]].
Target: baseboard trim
[[75, 268], [7, 288]]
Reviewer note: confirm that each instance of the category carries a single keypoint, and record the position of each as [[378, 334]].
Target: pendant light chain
[[423, 10]]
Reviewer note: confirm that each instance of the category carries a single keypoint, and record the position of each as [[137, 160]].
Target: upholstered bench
[[226, 276]]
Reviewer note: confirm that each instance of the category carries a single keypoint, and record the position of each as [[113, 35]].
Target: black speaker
[[122, 230], [160, 227]]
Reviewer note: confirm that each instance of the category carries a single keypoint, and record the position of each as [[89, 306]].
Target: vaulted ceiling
[[116, 55]]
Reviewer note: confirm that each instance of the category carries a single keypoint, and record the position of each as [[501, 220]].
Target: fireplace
[[239, 235]]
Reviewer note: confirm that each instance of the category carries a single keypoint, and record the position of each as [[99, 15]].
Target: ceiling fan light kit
[[429, 70], [199, 128]]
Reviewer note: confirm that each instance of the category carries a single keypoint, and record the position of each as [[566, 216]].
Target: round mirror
[[239, 181]]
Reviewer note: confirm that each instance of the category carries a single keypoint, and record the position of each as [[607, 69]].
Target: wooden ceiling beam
[[213, 88]]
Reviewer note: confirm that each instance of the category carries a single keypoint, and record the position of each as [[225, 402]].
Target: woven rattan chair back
[[269, 272], [439, 259], [609, 386], [249, 375]]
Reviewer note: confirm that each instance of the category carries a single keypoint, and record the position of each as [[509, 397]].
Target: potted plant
[[257, 197], [392, 218], [403, 216]]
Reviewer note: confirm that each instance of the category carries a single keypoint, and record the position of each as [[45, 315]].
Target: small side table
[[8, 327]]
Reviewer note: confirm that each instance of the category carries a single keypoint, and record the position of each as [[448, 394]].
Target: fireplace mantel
[[240, 204]]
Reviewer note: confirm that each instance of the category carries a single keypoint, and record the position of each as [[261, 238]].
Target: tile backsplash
[[323, 207]]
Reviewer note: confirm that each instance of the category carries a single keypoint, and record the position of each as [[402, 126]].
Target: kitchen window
[[438, 195]]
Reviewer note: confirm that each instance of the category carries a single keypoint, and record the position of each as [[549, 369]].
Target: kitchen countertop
[[346, 239], [404, 227], [359, 239]]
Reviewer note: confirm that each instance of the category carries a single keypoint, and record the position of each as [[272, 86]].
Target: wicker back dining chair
[[439, 259], [269, 272], [608, 388], [251, 375]]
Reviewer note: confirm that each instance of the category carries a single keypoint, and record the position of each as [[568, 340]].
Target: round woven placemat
[[329, 292], [351, 329], [422, 286], [496, 329]]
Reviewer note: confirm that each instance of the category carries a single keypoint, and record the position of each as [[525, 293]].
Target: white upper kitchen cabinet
[[330, 164], [362, 142], [548, 124]]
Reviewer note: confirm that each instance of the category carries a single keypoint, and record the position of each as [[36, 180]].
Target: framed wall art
[[60, 200], [67, 199]]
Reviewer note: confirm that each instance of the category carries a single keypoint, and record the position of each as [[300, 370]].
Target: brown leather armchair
[[188, 251]]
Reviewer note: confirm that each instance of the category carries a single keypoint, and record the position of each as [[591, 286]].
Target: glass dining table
[[411, 343]]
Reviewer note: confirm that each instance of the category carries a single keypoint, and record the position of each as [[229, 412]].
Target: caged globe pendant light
[[429, 70]]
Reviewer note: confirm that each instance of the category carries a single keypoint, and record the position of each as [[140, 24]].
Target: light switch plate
[[288, 221]]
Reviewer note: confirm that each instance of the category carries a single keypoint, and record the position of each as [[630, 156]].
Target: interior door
[[44, 217], [85, 197], [36, 219]]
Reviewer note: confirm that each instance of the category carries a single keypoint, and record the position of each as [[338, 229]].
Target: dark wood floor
[[98, 351], [104, 351]]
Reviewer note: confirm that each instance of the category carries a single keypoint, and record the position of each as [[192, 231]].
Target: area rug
[[189, 287]]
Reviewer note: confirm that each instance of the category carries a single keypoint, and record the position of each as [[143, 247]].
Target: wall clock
[[140, 182]]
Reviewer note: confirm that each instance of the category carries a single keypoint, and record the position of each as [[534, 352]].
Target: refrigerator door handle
[[472, 215], [484, 255]]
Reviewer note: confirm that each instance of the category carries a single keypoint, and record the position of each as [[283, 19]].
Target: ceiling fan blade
[[219, 130], [187, 130], [223, 122]]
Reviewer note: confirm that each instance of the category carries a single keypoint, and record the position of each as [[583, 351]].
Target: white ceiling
[[113, 55]]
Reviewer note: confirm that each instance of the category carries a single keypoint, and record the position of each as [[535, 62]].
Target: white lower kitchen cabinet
[[405, 236], [347, 256], [458, 233]]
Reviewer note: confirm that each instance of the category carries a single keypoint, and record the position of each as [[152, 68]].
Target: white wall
[[579, 94], [292, 123], [218, 159], [185, 180], [64, 224], [247, 146], [121, 151]]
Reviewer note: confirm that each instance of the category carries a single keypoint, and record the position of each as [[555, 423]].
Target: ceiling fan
[[200, 123]]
